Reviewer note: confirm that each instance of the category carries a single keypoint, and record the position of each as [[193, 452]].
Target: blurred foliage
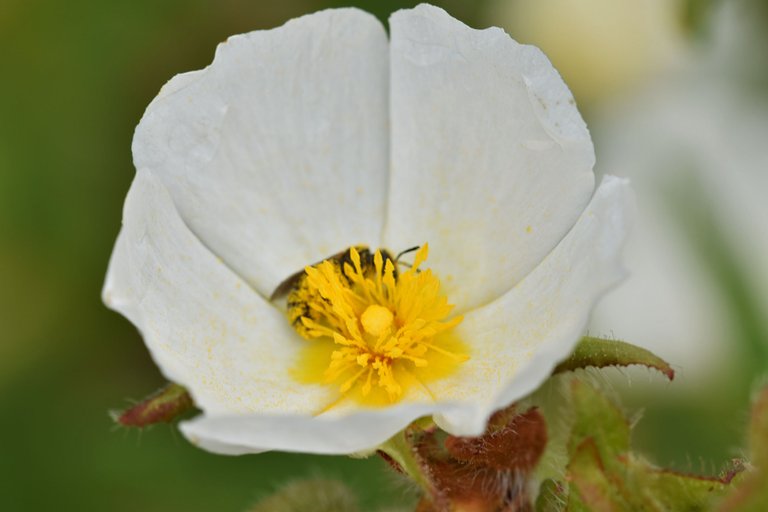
[[314, 494], [76, 78], [718, 412], [695, 14], [693, 208]]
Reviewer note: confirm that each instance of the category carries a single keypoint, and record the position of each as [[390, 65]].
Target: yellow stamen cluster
[[385, 327]]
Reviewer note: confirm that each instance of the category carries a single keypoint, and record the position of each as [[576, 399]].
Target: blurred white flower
[[601, 47], [299, 142], [700, 125]]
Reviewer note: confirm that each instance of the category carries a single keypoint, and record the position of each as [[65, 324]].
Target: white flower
[[299, 142]]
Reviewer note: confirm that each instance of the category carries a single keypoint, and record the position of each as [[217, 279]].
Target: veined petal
[[491, 161], [518, 339], [355, 432], [205, 327], [276, 154]]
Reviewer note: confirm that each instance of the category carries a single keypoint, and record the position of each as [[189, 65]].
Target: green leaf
[[164, 406], [598, 419], [600, 353], [311, 495], [751, 492], [758, 431], [669, 490], [605, 475], [592, 488], [552, 496]]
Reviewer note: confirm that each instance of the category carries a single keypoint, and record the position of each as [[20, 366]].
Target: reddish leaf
[[486, 473], [517, 446], [163, 406]]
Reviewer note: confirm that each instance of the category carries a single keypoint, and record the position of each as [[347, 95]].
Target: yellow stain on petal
[[374, 332]]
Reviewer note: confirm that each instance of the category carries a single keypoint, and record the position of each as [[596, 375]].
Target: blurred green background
[[76, 77]]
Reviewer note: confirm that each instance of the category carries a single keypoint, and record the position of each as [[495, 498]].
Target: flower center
[[374, 331], [376, 319]]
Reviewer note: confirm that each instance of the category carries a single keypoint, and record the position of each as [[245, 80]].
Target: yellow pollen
[[376, 319], [374, 332]]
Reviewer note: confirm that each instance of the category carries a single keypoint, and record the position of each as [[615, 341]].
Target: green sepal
[[163, 406], [600, 353]]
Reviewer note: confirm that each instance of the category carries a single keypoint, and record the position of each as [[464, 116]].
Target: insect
[[299, 295]]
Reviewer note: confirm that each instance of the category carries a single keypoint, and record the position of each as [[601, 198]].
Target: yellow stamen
[[384, 332]]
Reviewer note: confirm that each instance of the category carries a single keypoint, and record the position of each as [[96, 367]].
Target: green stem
[[402, 452]]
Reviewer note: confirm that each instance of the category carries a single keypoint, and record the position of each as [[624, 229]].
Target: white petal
[[359, 431], [276, 154], [205, 327], [516, 341], [491, 161]]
